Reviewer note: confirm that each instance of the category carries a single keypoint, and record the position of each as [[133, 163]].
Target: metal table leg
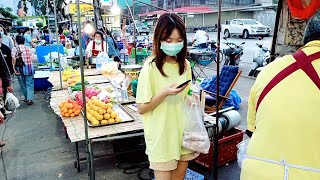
[[77, 162]]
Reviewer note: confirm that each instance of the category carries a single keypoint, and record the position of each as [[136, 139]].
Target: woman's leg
[[163, 175], [22, 83], [180, 172], [30, 87]]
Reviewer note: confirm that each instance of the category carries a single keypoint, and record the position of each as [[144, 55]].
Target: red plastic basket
[[227, 149]]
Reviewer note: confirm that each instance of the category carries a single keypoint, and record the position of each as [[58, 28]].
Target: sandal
[[30, 102], [2, 143]]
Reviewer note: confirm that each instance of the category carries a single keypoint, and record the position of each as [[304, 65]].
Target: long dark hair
[[114, 42], [164, 27]]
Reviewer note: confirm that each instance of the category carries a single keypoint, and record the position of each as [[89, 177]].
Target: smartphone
[[185, 83]]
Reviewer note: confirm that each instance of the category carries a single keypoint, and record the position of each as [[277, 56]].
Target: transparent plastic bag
[[195, 135], [11, 102], [242, 150]]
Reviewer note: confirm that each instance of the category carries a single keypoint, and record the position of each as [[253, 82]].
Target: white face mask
[[98, 41]]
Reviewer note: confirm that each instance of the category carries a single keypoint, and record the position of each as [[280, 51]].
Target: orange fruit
[[66, 115], [72, 115], [69, 105], [113, 115], [111, 120], [107, 116], [110, 105], [64, 109], [101, 111], [104, 122], [77, 112], [118, 119], [99, 117], [109, 111], [70, 111]]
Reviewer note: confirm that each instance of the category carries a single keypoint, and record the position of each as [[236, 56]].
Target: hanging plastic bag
[[242, 150], [11, 102], [195, 136]]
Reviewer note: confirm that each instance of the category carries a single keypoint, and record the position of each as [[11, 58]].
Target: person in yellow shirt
[[161, 102], [284, 117]]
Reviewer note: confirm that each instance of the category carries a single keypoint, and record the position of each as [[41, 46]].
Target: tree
[[39, 25], [19, 23], [7, 13]]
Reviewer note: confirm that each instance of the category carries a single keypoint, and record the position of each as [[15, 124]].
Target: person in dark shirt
[[6, 70]]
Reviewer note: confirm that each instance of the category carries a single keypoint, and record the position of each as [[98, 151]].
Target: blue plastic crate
[[41, 84], [192, 175]]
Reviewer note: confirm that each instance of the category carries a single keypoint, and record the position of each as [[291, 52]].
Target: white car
[[246, 28]]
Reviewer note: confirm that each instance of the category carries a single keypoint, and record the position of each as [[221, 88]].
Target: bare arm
[[156, 100]]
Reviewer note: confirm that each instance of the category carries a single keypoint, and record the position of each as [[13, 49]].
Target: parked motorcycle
[[233, 53], [260, 59]]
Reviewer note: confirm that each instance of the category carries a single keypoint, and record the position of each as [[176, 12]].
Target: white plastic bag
[[11, 102], [195, 135], [242, 150]]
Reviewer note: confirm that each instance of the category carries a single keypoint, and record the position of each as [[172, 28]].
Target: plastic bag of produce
[[242, 150], [195, 136], [11, 102], [109, 68]]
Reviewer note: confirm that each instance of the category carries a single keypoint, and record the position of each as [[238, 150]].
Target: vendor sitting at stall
[[97, 45]]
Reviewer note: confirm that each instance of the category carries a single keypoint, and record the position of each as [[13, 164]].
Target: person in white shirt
[[6, 40], [200, 39], [97, 45]]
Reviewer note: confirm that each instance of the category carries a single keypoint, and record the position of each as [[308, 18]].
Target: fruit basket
[[105, 116]]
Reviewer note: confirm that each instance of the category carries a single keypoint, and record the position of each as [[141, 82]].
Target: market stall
[[131, 124]]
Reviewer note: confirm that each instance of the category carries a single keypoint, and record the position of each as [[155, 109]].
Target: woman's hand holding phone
[[173, 90]]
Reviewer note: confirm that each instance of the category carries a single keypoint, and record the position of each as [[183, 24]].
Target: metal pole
[[58, 43], [216, 132], [134, 35], [84, 95], [275, 30], [49, 32]]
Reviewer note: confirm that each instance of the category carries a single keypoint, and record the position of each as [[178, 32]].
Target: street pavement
[[37, 149]]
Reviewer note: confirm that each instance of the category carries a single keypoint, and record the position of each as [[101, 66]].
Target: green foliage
[[19, 23], [39, 24], [7, 13]]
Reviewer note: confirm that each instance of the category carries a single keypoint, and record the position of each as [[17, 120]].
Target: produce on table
[[92, 91], [109, 68], [100, 113], [78, 86], [68, 73], [79, 99], [70, 109]]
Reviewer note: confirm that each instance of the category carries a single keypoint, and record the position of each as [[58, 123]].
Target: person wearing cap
[[283, 115], [6, 40], [200, 38], [24, 73]]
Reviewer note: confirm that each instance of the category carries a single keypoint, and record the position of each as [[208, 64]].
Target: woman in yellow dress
[[161, 102]]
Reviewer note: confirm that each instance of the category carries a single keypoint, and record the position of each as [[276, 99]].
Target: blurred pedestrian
[[200, 38], [113, 50], [28, 38], [6, 40], [24, 73]]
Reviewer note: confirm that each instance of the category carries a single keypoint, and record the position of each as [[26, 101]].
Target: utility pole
[[97, 14]]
